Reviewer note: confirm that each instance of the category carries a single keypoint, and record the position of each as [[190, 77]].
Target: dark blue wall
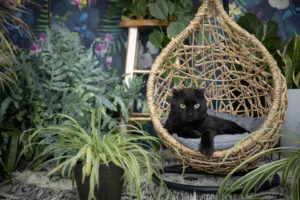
[[91, 22]]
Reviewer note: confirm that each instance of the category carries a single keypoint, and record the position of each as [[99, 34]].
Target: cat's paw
[[208, 151]]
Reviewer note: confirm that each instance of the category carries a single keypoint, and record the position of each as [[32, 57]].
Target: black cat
[[188, 118]]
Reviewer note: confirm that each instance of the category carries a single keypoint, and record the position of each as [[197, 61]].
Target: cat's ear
[[176, 92], [200, 92]]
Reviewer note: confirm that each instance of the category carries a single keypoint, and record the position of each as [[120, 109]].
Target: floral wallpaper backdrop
[[88, 18]]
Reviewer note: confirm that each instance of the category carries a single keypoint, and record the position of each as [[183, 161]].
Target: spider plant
[[127, 146], [251, 182], [9, 10], [9, 17], [8, 75]]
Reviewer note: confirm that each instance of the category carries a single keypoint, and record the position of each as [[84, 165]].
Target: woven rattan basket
[[240, 77]]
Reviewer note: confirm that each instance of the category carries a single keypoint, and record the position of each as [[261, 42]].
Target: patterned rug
[[37, 186], [29, 185]]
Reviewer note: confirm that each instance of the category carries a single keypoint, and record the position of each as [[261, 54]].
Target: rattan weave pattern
[[240, 77]]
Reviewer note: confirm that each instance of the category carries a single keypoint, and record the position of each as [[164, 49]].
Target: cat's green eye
[[196, 106], [182, 106]]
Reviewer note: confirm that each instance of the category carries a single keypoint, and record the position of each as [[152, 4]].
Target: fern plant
[[9, 130], [291, 62], [69, 79], [63, 76]]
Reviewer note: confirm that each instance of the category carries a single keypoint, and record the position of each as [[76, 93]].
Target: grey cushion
[[222, 142]]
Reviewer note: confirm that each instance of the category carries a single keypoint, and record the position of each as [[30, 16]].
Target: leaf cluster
[[178, 13], [265, 31], [19, 110], [64, 77], [68, 78], [285, 53], [290, 65]]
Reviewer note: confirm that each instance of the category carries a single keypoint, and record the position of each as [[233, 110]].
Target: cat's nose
[[190, 114]]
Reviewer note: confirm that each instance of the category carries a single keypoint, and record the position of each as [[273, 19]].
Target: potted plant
[[291, 71], [50, 81], [173, 14], [99, 161]]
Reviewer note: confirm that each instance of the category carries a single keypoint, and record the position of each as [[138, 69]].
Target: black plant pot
[[110, 183], [1, 174]]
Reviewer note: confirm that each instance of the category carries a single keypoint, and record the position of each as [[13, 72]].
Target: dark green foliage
[[177, 13], [63, 77], [267, 32], [68, 79], [291, 62], [159, 9], [288, 167], [19, 110], [158, 38]]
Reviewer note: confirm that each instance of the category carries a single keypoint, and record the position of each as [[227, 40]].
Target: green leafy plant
[[178, 14], [9, 17], [291, 62], [8, 79], [68, 78], [265, 31], [19, 110], [252, 181], [128, 147], [7, 69], [62, 76]]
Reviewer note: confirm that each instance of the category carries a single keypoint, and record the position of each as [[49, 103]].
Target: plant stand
[[134, 28]]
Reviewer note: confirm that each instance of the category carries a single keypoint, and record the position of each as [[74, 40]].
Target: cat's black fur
[[191, 122]]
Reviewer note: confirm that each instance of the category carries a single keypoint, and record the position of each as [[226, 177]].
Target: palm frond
[[43, 18]]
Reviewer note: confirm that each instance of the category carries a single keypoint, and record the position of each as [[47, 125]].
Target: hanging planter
[[240, 76]]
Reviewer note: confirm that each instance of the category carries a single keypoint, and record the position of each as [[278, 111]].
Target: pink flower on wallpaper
[[76, 3], [11, 2], [35, 49], [42, 37], [108, 37], [100, 49], [108, 60]]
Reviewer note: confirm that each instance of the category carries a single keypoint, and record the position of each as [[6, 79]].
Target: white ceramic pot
[[292, 119]]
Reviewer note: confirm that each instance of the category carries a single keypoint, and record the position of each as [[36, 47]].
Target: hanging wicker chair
[[240, 77]]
